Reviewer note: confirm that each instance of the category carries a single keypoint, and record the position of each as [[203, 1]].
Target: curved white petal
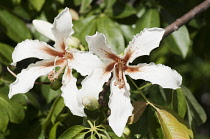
[[62, 29], [69, 93], [44, 28], [84, 62], [156, 74], [97, 44], [120, 106], [92, 85], [25, 80], [143, 43], [35, 49]]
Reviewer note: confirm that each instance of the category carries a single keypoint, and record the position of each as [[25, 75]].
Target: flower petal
[[84, 62], [25, 80], [156, 74], [34, 48], [120, 106], [62, 29], [143, 43], [69, 93], [44, 28], [97, 44], [92, 84]]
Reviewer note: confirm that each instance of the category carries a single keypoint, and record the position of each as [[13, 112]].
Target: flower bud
[[127, 131], [90, 103], [73, 42], [55, 85]]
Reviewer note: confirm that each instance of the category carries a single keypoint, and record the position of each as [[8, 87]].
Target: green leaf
[[48, 93], [14, 110], [85, 27], [77, 2], [196, 109], [80, 135], [91, 137], [112, 32], [179, 41], [15, 28], [72, 132], [179, 103], [85, 6], [37, 4], [1, 136], [52, 134], [5, 53], [119, 9], [55, 110], [109, 3], [171, 127], [4, 119], [128, 32], [139, 107], [149, 19]]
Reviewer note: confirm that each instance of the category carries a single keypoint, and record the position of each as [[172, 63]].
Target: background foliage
[[41, 113]]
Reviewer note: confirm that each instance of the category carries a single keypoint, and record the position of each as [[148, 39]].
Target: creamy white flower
[[119, 102], [58, 56]]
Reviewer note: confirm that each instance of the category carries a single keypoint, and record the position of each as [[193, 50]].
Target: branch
[[186, 18]]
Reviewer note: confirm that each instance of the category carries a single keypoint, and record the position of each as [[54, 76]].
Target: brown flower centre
[[119, 70]]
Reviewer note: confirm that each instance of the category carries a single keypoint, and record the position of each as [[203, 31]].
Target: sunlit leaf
[[72, 132], [128, 32], [80, 135], [179, 41], [196, 109], [15, 28], [85, 5], [5, 53], [37, 4], [139, 107], [149, 19], [112, 32], [171, 127], [84, 27]]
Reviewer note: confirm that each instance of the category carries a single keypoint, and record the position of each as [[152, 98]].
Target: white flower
[[57, 56], [119, 102]]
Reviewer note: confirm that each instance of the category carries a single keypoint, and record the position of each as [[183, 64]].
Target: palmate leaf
[[171, 127]]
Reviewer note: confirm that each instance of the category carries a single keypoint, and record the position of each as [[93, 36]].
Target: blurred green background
[[187, 51]]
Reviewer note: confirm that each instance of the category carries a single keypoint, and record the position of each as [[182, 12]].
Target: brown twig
[[186, 18]]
